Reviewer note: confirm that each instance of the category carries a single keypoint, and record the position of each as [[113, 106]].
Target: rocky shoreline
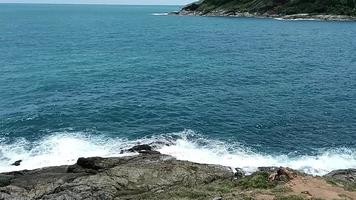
[[151, 175], [300, 16]]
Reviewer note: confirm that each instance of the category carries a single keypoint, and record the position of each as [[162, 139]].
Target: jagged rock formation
[[287, 9], [139, 177], [151, 175]]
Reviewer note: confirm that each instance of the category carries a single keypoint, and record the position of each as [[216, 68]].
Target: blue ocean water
[[88, 80]]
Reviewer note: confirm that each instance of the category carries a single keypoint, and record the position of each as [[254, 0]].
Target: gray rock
[[239, 173], [345, 175], [268, 169], [5, 180], [145, 176], [140, 148]]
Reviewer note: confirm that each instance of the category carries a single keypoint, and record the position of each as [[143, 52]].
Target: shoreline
[[176, 145], [135, 154], [300, 16], [152, 175]]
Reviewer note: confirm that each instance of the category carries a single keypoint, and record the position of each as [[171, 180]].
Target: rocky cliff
[[151, 175], [288, 9]]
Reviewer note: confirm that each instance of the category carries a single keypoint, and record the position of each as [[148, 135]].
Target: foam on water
[[159, 14], [297, 19], [65, 148]]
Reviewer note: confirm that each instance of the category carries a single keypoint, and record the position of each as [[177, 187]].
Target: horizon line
[[108, 4]]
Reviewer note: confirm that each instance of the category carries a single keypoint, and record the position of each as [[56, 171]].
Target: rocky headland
[[327, 10], [151, 175]]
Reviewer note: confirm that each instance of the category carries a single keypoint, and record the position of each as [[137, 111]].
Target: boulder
[[17, 163], [239, 173], [142, 176], [140, 148], [344, 175]]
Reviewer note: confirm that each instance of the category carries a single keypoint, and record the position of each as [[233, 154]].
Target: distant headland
[[281, 9]]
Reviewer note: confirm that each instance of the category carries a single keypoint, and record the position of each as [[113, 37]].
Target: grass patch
[[222, 187], [258, 180], [281, 189], [346, 185]]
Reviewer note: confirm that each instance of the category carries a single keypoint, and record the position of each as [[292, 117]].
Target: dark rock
[[287, 9], [239, 173], [345, 175], [149, 152], [5, 180], [191, 7], [141, 147], [90, 163], [17, 163]]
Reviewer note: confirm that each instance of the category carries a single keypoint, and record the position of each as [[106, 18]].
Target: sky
[[127, 2]]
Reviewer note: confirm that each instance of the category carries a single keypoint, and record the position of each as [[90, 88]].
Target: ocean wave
[[64, 148], [159, 14], [297, 19]]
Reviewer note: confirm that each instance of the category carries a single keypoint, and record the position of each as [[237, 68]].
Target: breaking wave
[[159, 14], [64, 148]]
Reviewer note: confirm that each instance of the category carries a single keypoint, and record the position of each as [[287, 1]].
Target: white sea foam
[[65, 148], [159, 14], [297, 19]]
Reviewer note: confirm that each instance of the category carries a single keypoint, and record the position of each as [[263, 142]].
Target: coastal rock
[[267, 169], [145, 176], [280, 9], [239, 173], [17, 163], [5, 180], [281, 174], [140, 148], [344, 175]]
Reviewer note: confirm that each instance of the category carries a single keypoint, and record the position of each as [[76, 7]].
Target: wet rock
[[17, 163], [140, 148], [345, 175], [239, 173], [90, 163]]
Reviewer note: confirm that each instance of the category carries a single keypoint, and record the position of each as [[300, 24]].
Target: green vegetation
[[284, 7], [350, 186], [258, 180]]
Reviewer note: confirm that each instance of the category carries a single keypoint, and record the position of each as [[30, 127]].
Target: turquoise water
[[86, 80]]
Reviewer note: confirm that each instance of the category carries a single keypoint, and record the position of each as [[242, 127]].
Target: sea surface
[[91, 80]]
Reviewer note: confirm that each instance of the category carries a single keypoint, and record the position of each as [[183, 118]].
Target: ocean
[[91, 80]]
